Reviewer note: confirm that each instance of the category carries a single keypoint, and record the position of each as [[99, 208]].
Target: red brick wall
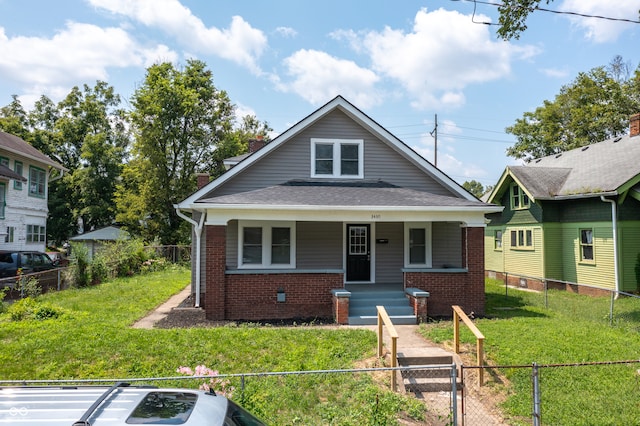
[[215, 297], [456, 288], [254, 296]]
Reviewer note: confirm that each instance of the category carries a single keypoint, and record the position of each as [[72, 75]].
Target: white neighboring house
[[25, 174]]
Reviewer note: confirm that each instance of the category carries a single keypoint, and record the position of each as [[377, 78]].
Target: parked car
[[119, 405], [28, 262]]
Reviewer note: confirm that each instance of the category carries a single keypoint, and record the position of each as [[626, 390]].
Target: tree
[[474, 187], [13, 119], [179, 118], [594, 107], [514, 14]]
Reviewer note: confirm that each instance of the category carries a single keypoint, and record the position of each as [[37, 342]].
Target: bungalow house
[[572, 217], [25, 174], [333, 208]]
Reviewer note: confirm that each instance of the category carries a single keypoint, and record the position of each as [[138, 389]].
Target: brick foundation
[[537, 284], [456, 288]]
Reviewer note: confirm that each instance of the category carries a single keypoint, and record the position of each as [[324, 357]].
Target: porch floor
[[365, 298]]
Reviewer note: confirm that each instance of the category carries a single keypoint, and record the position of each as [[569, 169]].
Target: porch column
[[341, 306], [216, 259], [473, 260]]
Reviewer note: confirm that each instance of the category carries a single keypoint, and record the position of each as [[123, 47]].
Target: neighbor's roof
[[333, 194], [602, 168], [17, 146], [109, 233], [7, 173]]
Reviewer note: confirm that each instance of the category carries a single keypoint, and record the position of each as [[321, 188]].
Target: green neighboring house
[[569, 216]]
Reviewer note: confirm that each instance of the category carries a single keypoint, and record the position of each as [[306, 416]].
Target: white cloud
[[602, 30], [443, 54], [318, 77], [555, 72], [79, 52], [239, 43], [286, 32]]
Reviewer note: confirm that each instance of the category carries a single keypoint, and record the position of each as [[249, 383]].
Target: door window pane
[[358, 240]]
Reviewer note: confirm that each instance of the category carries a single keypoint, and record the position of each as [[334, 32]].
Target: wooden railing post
[[383, 319], [458, 314]]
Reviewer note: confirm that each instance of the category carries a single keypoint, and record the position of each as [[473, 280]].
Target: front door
[[358, 253]]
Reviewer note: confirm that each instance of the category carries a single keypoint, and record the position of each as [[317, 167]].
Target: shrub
[[28, 286], [124, 257], [98, 269], [79, 265], [30, 308]]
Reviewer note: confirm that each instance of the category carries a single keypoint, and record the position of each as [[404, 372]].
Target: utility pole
[[434, 133]]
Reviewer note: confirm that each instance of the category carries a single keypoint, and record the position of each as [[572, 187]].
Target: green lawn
[[519, 330], [85, 333]]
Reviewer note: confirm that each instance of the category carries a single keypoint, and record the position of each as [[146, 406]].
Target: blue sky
[[401, 62]]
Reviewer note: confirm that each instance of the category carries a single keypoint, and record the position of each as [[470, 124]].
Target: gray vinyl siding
[[446, 242], [389, 256], [319, 245], [232, 244], [292, 160]]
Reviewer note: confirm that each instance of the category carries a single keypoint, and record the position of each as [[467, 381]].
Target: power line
[[558, 12]]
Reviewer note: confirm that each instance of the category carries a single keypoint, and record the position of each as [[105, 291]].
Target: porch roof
[[355, 194]]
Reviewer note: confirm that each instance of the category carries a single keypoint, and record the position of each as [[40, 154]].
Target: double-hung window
[[36, 234], [497, 236], [266, 244], [417, 247], [586, 245], [337, 158], [3, 199], [522, 239], [17, 167], [37, 182], [519, 199]]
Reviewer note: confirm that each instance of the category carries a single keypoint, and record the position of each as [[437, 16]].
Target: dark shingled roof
[[600, 167], [340, 194], [6, 172]]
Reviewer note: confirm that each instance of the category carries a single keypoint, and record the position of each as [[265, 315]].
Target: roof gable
[[353, 114]]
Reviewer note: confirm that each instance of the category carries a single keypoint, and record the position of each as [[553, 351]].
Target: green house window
[[519, 199], [521, 239], [37, 182], [497, 240], [3, 199], [586, 244], [17, 167]]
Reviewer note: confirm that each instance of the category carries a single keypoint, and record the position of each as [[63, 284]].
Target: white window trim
[[266, 243], [336, 157], [428, 244]]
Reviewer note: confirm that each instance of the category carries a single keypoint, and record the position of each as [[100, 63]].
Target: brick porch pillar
[[216, 259], [341, 306]]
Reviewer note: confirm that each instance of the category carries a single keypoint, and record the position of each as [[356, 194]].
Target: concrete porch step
[[373, 319]]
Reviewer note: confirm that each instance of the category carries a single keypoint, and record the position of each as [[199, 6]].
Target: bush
[[28, 286], [79, 265], [30, 308], [98, 269], [124, 257]]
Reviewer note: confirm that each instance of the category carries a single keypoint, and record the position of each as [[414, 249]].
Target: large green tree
[[594, 107], [179, 119]]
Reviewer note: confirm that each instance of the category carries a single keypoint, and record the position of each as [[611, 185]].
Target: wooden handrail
[[458, 314], [383, 319]]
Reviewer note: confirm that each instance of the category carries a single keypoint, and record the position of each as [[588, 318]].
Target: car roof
[[103, 405]]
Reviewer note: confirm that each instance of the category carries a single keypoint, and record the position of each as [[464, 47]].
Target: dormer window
[[519, 199], [337, 158]]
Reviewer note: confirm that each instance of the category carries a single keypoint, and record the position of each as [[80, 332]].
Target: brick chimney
[[256, 144], [634, 125], [203, 179]]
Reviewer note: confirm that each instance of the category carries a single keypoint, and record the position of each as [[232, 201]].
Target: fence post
[[536, 395], [611, 309], [546, 294], [454, 395]]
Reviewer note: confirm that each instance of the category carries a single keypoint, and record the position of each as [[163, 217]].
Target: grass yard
[[85, 334], [519, 330]]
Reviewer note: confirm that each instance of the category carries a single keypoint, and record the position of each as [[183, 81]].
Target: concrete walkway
[[163, 310]]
